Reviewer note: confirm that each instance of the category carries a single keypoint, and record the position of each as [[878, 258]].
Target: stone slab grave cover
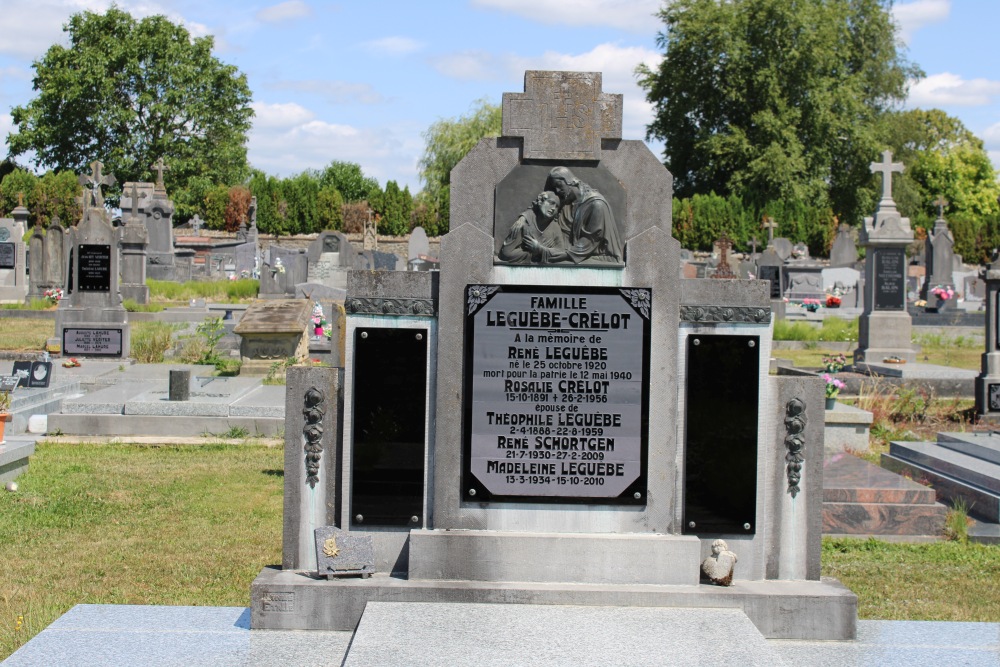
[[90, 320], [273, 331], [572, 405]]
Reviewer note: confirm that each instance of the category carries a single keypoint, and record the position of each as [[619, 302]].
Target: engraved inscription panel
[[93, 342], [8, 256], [890, 279], [556, 398], [94, 268]]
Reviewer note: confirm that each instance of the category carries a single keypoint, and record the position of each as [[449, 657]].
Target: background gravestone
[[134, 240], [885, 326], [843, 252], [91, 320], [13, 270], [940, 253]]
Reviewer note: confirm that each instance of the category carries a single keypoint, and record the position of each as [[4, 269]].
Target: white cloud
[[6, 127], [632, 15], [337, 92], [394, 46], [286, 115], [912, 16], [381, 152], [284, 11], [991, 137], [615, 62], [947, 89]]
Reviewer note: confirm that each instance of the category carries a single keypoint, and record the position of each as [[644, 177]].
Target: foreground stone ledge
[[807, 610]]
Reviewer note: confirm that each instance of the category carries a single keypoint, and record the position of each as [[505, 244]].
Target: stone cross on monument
[[753, 244], [95, 181], [159, 167], [20, 199], [723, 270], [553, 108], [769, 224], [196, 224], [940, 202], [886, 167], [133, 217]]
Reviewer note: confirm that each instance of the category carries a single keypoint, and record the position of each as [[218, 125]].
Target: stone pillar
[[988, 381], [885, 326], [940, 254], [134, 241]]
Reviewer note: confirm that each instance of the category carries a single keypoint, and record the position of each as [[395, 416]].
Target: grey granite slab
[[125, 636], [264, 401], [496, 634], [107, 401], [916, 371], [210, 397], [984, 446], [133, 635]]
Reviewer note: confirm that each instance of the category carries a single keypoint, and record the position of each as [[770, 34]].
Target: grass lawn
[[25, 335], [126, 524], [193, 525]]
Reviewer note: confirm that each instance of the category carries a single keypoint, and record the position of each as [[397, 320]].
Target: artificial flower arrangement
[[278, 266], [833, 301], [53, 295], [833, 385], [834, 364], [812, 305], [943, 292], [320, 326]]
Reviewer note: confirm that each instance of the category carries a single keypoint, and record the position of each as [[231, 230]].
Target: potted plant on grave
[[833, 300], [5, 415], [943, 293], [833, 387]]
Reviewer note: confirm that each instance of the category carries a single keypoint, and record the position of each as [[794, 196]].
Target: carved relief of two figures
[[569, 222]]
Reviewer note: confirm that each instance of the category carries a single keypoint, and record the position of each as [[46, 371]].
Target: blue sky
[[360, 81]]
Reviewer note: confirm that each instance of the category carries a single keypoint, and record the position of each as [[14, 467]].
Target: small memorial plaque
[[41, 373], [22, 371], [556, 394], [92, 342], [9, 383], [8, 256], [341, 553], [94, 269], [890, 279]]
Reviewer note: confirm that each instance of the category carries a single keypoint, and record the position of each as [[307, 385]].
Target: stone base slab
[[481, 555], [291, 600]]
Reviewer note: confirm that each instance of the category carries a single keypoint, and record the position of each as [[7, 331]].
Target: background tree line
[[765, 107]]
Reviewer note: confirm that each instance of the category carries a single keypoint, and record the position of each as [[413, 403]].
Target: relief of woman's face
[[548, 207]]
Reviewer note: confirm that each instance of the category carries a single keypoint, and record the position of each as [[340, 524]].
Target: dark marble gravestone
[[890, 289], [720, 488], [389, 418], [7, 256], [94, 268]]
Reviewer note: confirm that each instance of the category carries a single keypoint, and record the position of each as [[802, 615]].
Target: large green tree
[[128, 92], [448, 141], [776, 99]]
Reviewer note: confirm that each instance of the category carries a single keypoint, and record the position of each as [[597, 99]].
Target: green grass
[[36, 304], [25, 335], [121, 524], [232, 291], [834, 329], [150, 340], [940, 581], [132, 306]]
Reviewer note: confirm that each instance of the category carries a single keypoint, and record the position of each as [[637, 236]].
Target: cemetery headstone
[[91, 320], [13, 258], [843, 252], [988, 380], [884, 330], [563, 405], [331, 255], [783, 247], [283, 269], [771, 267], [417, 247], [940, 253], [724, 271], [134, 240]]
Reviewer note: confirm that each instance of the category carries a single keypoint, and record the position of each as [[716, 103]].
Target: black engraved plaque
[[994, 397], [8, 256], [389, 426], [556, 394], [94, 268], [890, 279], [720, 475]]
